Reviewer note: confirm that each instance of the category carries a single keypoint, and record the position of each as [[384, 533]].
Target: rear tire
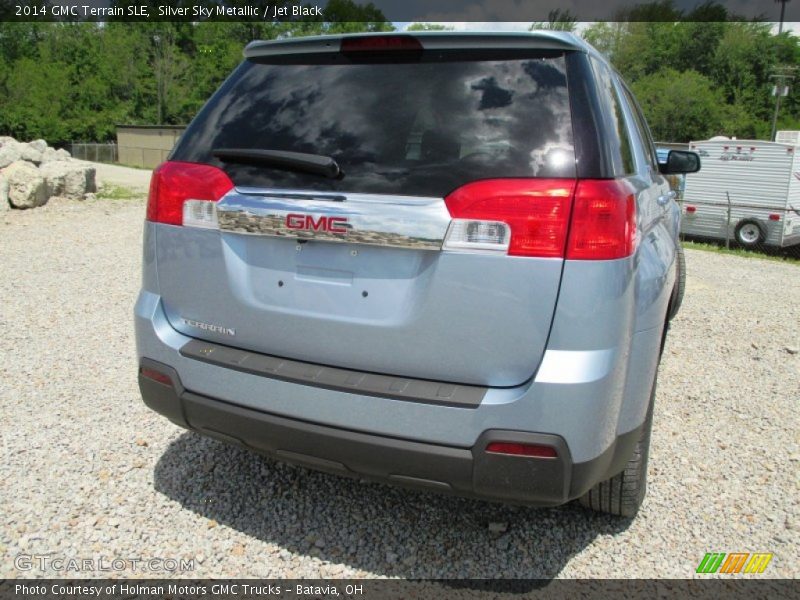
[[623, 494], [749, 233], [680, 283]]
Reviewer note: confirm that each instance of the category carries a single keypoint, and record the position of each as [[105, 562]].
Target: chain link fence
[[104, 153]]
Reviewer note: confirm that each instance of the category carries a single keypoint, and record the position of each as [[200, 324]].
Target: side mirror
[[680, 162]]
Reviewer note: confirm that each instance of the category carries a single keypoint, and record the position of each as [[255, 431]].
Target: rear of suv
[[446, 261]]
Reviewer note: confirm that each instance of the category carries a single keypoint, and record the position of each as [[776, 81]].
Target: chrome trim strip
[[374, 219]]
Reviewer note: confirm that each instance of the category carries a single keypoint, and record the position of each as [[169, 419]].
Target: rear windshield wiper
[[317, 164]]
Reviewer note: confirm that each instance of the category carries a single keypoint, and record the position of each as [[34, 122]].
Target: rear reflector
[[173, 183], [155, 376], [774, 217], [515, 449], [379, 43], [590, 219], [691, 209]]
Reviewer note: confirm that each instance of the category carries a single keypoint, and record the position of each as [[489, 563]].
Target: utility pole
[[783, 10], [159, 77], [783, 76]]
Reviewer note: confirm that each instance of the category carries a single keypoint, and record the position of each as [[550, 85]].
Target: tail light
[[591, 219], [603, 220], [183, 193], [525, 217]]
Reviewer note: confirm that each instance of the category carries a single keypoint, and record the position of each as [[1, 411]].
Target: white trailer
[[746, 190]]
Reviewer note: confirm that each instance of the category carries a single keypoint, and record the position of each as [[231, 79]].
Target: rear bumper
[[463, 471]]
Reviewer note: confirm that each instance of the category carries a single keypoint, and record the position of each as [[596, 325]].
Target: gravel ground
[[89, 472]]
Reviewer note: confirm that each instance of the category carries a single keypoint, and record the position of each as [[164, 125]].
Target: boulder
[[29, 153], [26, 186], [38, 145], [68, 179], [51, 154], [3, 193], [6, 139], [10, 152]]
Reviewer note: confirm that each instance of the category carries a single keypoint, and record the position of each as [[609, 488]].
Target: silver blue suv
[[445, 261]]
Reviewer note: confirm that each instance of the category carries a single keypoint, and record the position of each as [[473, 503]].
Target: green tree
[[34, 100], [557, 20], [681, 106]]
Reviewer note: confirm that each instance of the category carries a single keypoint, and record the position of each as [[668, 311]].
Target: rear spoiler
[[428, 40]]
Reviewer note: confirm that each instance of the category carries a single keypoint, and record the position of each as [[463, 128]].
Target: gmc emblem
[[322, 223]]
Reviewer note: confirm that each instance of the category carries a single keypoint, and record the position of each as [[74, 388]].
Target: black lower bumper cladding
[[471, 472]]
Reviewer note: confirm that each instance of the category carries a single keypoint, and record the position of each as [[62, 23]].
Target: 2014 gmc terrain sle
[[444, 260]]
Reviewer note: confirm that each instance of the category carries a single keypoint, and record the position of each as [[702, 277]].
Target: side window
[[648, 145], [616, 135]]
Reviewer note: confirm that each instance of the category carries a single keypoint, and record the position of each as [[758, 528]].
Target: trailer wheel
[[749, 233]]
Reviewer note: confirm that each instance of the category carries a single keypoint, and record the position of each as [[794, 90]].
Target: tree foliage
[[78, 81], [703, 73], [557, 20], [696, 74]]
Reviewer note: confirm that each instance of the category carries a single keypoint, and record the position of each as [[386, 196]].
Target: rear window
[[420, 127]]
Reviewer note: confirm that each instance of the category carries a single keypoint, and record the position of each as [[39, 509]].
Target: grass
[[791, 255], [117, 192]]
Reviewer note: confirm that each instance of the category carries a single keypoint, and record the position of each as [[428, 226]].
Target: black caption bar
[[733, 588], [396, 10]]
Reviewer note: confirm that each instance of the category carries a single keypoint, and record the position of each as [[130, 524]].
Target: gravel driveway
[[88, 472]]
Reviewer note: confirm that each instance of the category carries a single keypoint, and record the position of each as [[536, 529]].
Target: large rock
[[51, 154], [30, 153], [26, 186], [5, 139], [3, 193], [13, 151], [10, 152], [68, 179], [38, 145]]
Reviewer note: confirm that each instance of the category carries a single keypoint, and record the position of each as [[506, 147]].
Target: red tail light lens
[[515, 449], [175, 182], [536, 210], [603, 220], [380, 43]]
